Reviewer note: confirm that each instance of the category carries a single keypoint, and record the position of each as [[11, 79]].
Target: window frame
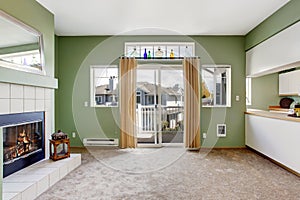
[[152, 45], [228, 85], [248, 91], [93, 85]]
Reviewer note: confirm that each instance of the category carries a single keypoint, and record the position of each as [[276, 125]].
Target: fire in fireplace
[[23, 140]]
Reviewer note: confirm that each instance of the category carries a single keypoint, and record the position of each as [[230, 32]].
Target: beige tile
[[4, 90], [15, 187], [23, 178], [16, 91], [43, 185], [40, 93], [49, 106], [29, 92], [29, 193], [29, 105], [63, 171], [4, 106], [11, 196], [39, 105], [16, 105], [49, 93], [54, 177]]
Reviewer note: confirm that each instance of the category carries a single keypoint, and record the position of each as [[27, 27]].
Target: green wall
[[76, 54], [265, 92], [20, 48], [281, 19], [265, 89], [33, 14]]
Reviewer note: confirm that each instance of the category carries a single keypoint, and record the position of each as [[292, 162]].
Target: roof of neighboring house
[[103, 89], [173, 91], [149, 88]]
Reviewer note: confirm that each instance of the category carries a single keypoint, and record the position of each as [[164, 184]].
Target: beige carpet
[[173, 173]]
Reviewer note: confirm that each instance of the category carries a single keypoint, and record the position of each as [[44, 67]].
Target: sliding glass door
[[159, 105]]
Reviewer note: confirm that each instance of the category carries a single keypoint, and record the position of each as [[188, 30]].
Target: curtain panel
[[127, 102], [192, 103]]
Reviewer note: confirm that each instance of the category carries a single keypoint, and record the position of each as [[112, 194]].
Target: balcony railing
[[149, 121]]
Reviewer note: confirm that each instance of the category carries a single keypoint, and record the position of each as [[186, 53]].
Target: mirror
[[21, 46], [216, 85]]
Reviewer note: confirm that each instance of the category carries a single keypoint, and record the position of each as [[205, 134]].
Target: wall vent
[[221, 130], [100, 142]]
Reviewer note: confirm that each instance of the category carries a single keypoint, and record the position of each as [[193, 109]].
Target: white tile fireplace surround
[[15, 99], [22, 98]]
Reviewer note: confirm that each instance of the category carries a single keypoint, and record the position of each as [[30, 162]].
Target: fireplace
[[23, 140]]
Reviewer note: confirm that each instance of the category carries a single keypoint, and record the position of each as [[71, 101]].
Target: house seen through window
[[104, 85], [216, 81]]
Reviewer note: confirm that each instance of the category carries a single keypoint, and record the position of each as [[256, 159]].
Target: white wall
[[278, 53]]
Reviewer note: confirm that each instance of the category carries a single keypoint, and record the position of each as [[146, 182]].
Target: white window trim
[[92, 85], [248, 91], [228, 83]]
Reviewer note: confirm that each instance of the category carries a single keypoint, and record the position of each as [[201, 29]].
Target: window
[[138, 97], [159, 50], [248, 91], [104, 85], [99, 100], [216, 85]]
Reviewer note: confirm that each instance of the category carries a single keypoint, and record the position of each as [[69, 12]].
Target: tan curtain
[[192, 103], [127, 102]]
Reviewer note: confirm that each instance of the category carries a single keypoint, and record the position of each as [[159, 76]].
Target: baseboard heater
[[100, 142]]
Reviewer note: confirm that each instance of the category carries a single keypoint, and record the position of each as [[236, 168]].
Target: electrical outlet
[[237, 98], [86, 104], [73, 134], [204, 135]]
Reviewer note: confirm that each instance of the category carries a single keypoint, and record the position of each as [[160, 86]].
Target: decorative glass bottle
[[159, 53], [145, 54], [172, 54]]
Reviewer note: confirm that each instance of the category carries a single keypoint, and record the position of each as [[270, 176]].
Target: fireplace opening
[[23, 140]]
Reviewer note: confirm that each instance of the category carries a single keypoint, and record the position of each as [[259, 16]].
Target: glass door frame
[[158, 103]]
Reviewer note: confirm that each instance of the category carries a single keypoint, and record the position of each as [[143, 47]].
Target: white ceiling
[[159, 17]]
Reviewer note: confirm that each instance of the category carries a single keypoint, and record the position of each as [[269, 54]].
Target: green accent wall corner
[[278, 21]]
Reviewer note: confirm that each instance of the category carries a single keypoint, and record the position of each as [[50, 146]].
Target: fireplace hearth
[[23, 140]]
